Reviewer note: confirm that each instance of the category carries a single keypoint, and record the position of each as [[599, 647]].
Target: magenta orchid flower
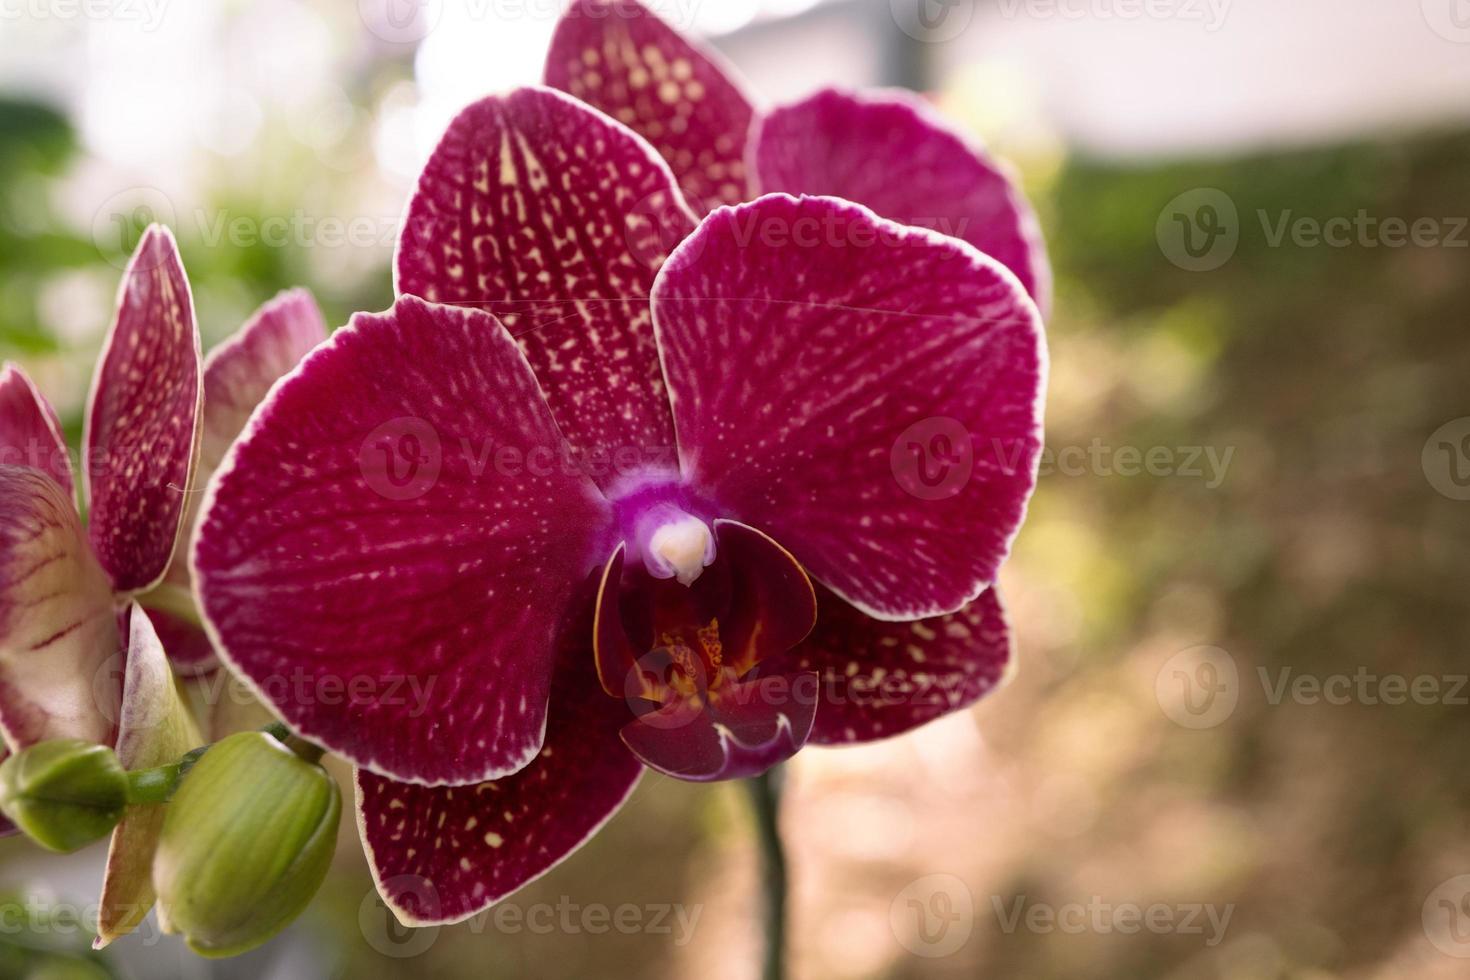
[[588, 504], [884, 149]]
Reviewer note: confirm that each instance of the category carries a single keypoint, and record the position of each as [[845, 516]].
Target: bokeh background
[[1238, 744]]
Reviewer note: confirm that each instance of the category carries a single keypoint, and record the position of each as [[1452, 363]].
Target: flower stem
[[309, 751], [153, 785], [158, 785], [765, 799]]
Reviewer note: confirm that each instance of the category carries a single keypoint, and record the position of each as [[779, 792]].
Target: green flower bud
[[246, 843], [64, 793]]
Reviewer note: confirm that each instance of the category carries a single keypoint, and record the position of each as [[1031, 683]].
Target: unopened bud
[[246, 843], [64, 793]]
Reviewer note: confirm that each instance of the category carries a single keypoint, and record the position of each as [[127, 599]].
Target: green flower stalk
[[64, 793], [246, 843]]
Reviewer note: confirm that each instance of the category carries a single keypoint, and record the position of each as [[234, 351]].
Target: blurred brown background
[[1236, 746]]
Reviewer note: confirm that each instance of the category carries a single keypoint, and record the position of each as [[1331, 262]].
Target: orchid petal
[[375, 563], [30, 433], [142, 418], [439, 855], [894, 154], [744, 729], [154, 728], [682, 97], [57, 626], [866, 393], [881, 678], [241, 370], [554, 218]]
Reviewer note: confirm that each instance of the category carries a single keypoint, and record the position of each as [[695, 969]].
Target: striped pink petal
[[30, 433], [891, 152], [58, 631], [239, 372], [389, 549], [142, 418], [679, 95], [554, 218], [867, 393]]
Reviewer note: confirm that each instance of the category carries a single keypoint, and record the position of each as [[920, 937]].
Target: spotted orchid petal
[[867, 393], [441, 854], [57, 626], [154, 728], [881, 678], [891, 152], [241, 370], [142, 418], [30, 433], [237, 375], [617, 56], [556, 219], [386, 552]]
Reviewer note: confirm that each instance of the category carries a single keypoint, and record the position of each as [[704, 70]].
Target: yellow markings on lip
[[709, 643]]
